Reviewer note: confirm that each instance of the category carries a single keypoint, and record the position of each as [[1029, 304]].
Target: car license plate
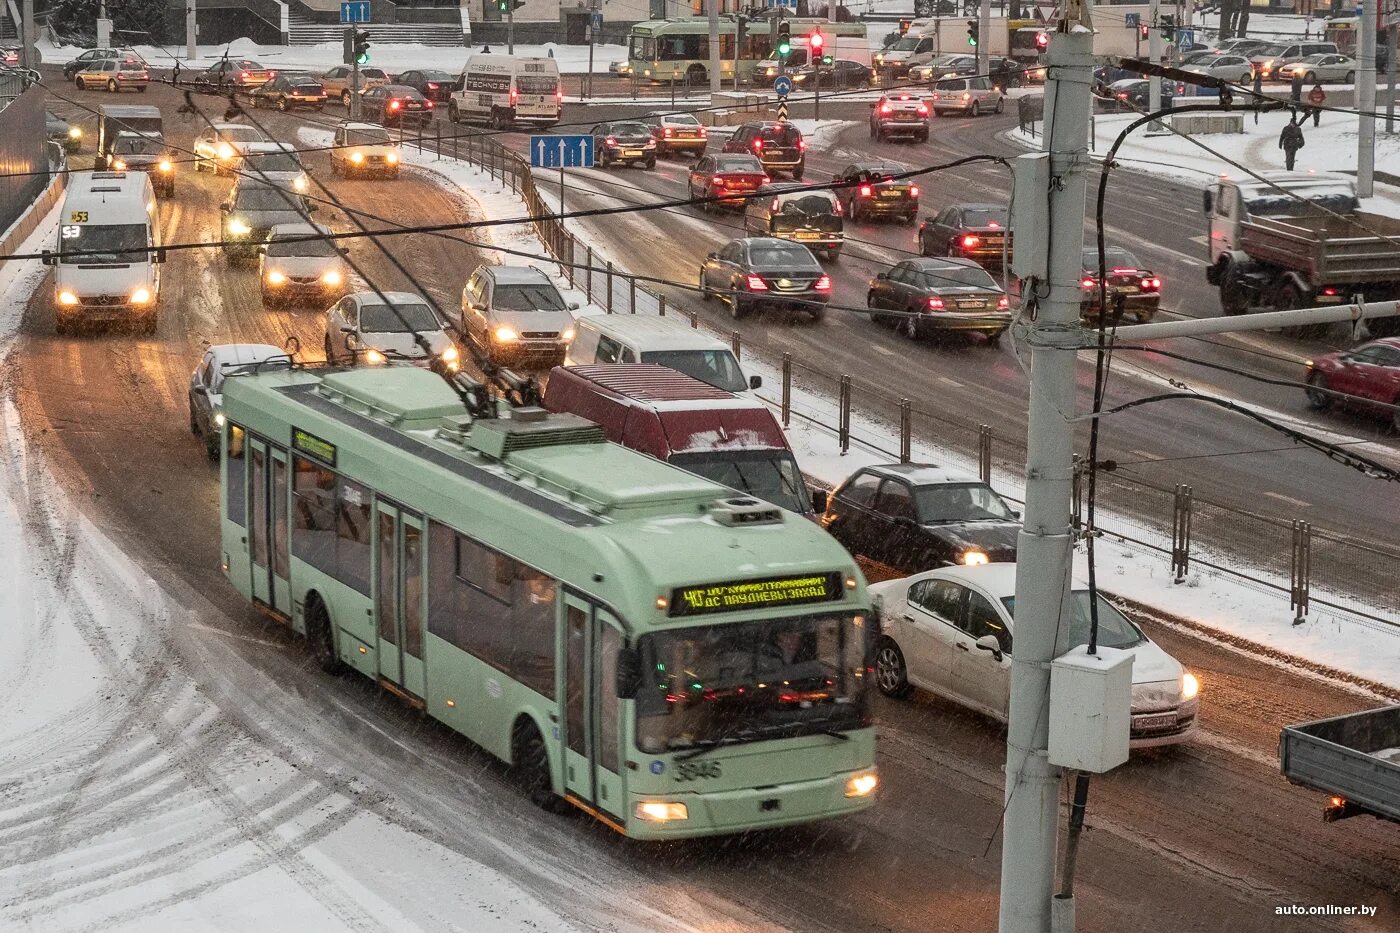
[[685, 134], [1128, 289], [808, 235], [631, 152], [970, 304], [891, 193], [1155, 722]]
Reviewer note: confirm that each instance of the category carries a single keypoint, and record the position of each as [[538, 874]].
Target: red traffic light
[[815, 42], [1042, 41]]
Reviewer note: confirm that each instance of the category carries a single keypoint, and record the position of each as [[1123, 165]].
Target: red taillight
[[272, 72], [395, 105], [428, 104], [774, 206], [823, 284], [1003, 303], [756, 284], [757, 145], [886, 108], [865, 191], [993, 224], [913, 191], [243, 74], [704, 133], [1151, 285], [1123, 271], [935, 303], [610, 141], [1087, 283], [923, 110], [764, 180], [432, 86], [971, 242], [514, 95], [667, 132], [1329, 291], [839, 209], [717, 181], [802, 145], [559, 95]]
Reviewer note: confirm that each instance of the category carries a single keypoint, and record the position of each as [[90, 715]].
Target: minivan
[[504, 90], [107, 262], [665, 341], [655, 410]]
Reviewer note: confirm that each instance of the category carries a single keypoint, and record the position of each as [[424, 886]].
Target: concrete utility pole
[[1366, 102], [984, 29], [191, 30], [1390, 57], [1154, 51], [510, 29], [28, 58], [1045, 542], [713, 8], [831, 11]]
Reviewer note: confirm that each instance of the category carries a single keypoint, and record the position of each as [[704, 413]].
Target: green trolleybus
[[656, 650], [679, 49]]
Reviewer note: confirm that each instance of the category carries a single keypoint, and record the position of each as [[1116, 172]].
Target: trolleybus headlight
[[374, 357], [660, 811], [239, 227], [506, 334], [332, 277], [1190, 686], [141, 296], [218, 419], [276, 278], [67, 298], [973, 558], [862, 784]]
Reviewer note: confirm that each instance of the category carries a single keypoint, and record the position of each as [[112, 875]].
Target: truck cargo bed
[[1328, 249], [1355, 757]]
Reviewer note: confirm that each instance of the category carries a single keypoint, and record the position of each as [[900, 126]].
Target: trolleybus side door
[[592, 717], [398, 596], [268, 527]]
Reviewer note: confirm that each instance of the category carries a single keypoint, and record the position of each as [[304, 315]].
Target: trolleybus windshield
[[717, 685]]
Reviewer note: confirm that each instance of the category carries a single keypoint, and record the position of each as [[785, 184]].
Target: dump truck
[[1298, 240], [1355, 759]]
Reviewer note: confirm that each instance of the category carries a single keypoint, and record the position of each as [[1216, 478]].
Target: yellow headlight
[[74, 133], [973, 558], [373, 357], [332, 277], [392, 158], [67, 298], [357, 157], [658, 811], [275, 278], [299, 184], [450, 354], [141, 296], [863, 784], [118, 165], [506, 334], [239, 227], [166, 165], [225, 151], [1190, 686]]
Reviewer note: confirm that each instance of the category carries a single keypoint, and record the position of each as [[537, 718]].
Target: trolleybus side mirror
[[820, 499], [629, 673]]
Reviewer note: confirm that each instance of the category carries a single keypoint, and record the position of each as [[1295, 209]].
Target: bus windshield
[[770, 475], [744, 682], [111, 242]]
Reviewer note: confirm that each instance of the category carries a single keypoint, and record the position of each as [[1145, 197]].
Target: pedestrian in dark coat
[[1297, 87], [1258, 94], [1290, 141]]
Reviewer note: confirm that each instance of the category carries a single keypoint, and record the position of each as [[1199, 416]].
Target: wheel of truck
[[1234, 298], [452, 113], [1288, 299]]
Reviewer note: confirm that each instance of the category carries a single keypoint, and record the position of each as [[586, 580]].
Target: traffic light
[[828, 59], [1168, 26], [361, 46], [1142, 31], [503, 6], [784, 43], [814, 42], [904, 25], [1042, 41], [973, 28]]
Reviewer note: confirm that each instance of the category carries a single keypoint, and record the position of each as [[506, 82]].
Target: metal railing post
[[984, 452], [632, 296], [1301, 571], [844, 427], [570, 264], [661, 305], [694, 320], [610, 281], [736, 344], [589, 273], [438, 149], [1181, 533], [906, 431], [787, 389]]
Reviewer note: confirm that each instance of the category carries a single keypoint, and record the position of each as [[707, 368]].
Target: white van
[[504, 90], [110, 219], [665, 341]]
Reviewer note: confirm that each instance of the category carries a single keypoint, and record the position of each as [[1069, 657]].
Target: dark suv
[[902, 519], [779, 146], [874, 189]]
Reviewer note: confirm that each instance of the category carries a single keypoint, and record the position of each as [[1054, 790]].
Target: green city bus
[[679, 49], [641, 643]]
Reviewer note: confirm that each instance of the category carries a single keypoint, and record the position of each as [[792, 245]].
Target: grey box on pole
[[1030, 216]]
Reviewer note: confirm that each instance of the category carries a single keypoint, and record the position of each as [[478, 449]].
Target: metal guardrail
[[1173, 522]]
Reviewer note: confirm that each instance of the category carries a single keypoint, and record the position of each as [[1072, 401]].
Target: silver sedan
[[1323, 67]]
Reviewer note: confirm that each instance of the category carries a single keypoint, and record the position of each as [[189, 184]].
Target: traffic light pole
[[1154, 49], [984, 24], [510, 29]]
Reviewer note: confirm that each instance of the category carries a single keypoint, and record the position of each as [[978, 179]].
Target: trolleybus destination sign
[[309, 443], [740, 594]]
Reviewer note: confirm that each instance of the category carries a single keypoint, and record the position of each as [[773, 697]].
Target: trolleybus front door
[[398, 597], [592, 716], [268, 527]]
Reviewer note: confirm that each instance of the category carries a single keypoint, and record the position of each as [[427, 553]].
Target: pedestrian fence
[[1271, 555]]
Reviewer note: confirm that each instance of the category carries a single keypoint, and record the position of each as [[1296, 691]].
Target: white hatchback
[[949, 631]]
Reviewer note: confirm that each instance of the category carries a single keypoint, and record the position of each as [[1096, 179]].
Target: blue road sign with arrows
[[561, 151], [354, 11], [782, 85]]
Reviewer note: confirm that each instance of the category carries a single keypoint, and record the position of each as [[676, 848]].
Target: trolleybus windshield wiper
[[706, 745]]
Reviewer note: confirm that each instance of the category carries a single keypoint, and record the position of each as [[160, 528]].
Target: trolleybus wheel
[[531, 762], [319, 638]]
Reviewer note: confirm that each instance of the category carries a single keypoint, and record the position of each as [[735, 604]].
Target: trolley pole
[[1045, 542], [1366, 102]]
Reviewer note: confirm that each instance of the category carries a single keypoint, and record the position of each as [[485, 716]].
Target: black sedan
[[901, 519], [433, 84], [939, 296], [1135, 94], [395, 105], [626, 143], [970, 231], [871, 189], [290, 90], [1131, 286], [765, 272], [839, 74]]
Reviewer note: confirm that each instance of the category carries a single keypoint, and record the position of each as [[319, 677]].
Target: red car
[[1370, 374], [724, 174]]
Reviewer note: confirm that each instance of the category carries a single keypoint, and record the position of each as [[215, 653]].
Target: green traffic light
[[971, 41], [362, 58], [784, 48]]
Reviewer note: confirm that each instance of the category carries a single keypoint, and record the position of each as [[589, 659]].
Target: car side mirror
[[990, 643], [47, 258], [343, 250], [225, 207], [712, 256], [312, 208], [882, 275], [820, 500], [755, 382], [1207, 201], [574, 305], [629, 673], [158, 255], [1016, 514]]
